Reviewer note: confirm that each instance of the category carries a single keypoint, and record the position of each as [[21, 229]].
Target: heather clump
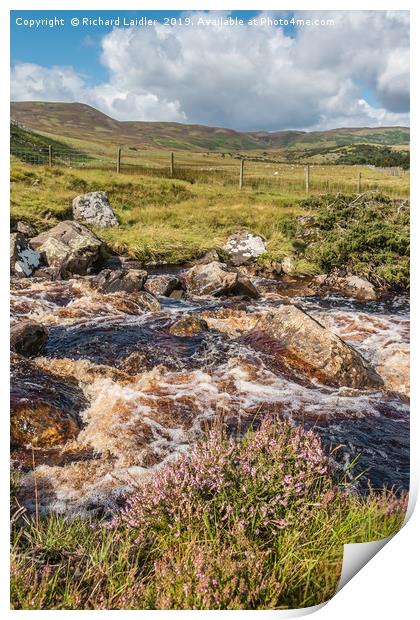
[[271, 479]]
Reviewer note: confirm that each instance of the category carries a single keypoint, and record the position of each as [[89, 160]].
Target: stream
[[133, 395]]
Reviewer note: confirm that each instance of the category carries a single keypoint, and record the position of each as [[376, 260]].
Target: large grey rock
[[94, 208], [163, 285], [24, 260], [309, 347], [217, 279], [69, 247], [359, 288], [28, 338], [128, 281], [352, 286], [244, 247]]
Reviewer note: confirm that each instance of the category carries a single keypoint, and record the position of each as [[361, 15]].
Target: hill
[[82, 122], [33, 147]]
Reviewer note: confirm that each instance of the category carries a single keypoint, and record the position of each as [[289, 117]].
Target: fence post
[[359, 182], [307, 178], [118, 160], [241, 174], [171, 165], [50, 155]]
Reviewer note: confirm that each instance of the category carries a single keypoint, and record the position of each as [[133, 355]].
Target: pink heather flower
[[268, 476]]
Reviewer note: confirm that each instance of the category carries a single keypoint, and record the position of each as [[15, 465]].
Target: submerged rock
[[94, 208], [44, 408], [217, 279], [163, 286], [314, 350], [28, 338], [70, 248], [231, 321], [128, 281], [24, 260], [188, 325], [243, 247]]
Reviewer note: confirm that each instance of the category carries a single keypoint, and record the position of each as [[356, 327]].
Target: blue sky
[[286, 78]]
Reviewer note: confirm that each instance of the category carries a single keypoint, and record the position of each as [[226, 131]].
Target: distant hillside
[[80, 121], [33, 147]]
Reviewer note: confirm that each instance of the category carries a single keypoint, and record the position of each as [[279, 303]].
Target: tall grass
[[256, 522]]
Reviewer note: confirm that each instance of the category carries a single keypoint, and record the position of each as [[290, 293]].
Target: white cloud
[[245, 77], [30, 81]]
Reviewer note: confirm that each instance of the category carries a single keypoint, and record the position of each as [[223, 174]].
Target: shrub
[[366, 235]]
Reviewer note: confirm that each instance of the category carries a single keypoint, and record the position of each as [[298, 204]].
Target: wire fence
[[227, 172]]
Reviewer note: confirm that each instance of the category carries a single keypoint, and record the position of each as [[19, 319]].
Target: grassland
[[172, 220], [252, 523], [161, 219]]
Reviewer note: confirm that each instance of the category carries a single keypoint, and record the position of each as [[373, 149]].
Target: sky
[[339, 69]]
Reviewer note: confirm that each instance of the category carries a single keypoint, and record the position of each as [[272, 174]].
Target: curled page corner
[[356, 556]]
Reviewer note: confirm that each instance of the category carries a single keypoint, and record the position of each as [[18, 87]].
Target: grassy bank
[[255, 523], [161, 219], [173, 221]]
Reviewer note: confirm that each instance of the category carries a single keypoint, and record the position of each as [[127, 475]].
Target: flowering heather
[[271, 479], [249, 523]]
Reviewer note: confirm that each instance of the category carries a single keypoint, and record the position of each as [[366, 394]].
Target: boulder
[[217, 279], [148, 301], [70, 248], [209, 257], [315, 351], [359, 288], [188, 325], [243, 247], [113, 281], [45, 408], [352, 286], [288, 265], [28, 338], [163, 285], [94, 208], [24, 260], [25, 229], [245, 288]]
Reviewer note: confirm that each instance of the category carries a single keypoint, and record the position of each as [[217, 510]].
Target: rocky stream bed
[[116, 369]]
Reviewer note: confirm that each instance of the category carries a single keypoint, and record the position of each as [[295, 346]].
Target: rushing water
[[143, 394]]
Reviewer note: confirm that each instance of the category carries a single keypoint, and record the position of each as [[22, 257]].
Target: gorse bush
[[254, 522], [368, 235]]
